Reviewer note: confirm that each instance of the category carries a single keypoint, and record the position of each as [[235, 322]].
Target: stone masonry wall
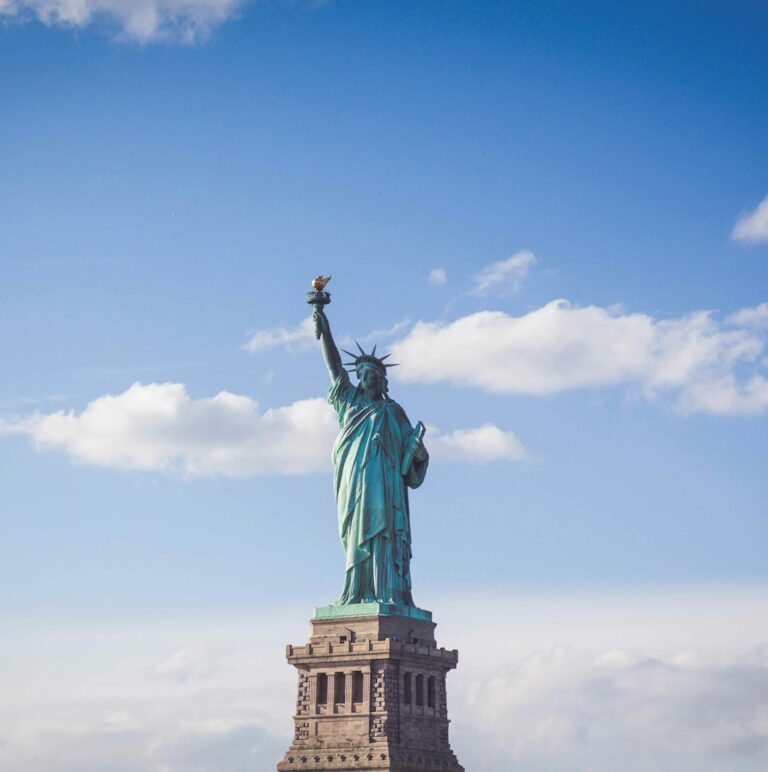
[[384, 701], [379, 727]]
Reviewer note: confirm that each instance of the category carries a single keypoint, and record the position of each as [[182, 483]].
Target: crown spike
[[349, 352], [373, 352], [361, 349], [394, 364]]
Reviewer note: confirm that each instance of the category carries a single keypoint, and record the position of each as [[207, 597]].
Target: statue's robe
[[372, 494]]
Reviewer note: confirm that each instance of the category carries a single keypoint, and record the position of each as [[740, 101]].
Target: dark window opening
[[357, 686], [419, 690], [431, 692], [322, 689], [339, 688], [407, 689]]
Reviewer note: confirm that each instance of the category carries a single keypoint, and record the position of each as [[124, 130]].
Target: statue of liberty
[[377, 456]]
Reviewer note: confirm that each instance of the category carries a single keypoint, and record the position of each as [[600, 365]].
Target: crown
[[367, 359]]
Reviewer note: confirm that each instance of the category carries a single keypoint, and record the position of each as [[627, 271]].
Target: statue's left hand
[[419, 451]]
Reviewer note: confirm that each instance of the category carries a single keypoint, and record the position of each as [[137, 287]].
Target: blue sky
[[551, 214]]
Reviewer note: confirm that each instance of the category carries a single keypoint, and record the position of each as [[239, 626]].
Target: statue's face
[[370, 379]]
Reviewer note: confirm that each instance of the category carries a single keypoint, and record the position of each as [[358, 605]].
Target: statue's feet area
[[336, 610]]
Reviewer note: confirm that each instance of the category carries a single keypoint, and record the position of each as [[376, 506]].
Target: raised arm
[[330, 352]]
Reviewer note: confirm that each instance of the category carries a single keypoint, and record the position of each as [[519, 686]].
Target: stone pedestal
[[372, 693]]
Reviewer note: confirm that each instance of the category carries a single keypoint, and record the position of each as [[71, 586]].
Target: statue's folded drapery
[[372, 495]]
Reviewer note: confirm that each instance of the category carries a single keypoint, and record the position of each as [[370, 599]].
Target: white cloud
[[726, 396], [559, 347], [505, 276], [752, 227], [477, 446], [143, 21], [158, 427], [437, 276], [756, 316], [301, 336]]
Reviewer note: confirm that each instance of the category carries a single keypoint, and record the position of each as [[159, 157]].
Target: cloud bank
[[158, 427], [640, 681], [752, 227], [141, 21], [710, 366], [686, 710]]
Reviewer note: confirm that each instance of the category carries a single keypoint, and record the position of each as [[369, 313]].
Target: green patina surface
[[377, 457], [371, 609]]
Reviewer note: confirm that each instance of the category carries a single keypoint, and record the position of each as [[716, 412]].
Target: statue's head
[[371, 370]]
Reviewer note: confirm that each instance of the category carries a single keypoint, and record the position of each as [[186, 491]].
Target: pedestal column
[[386, 730]]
